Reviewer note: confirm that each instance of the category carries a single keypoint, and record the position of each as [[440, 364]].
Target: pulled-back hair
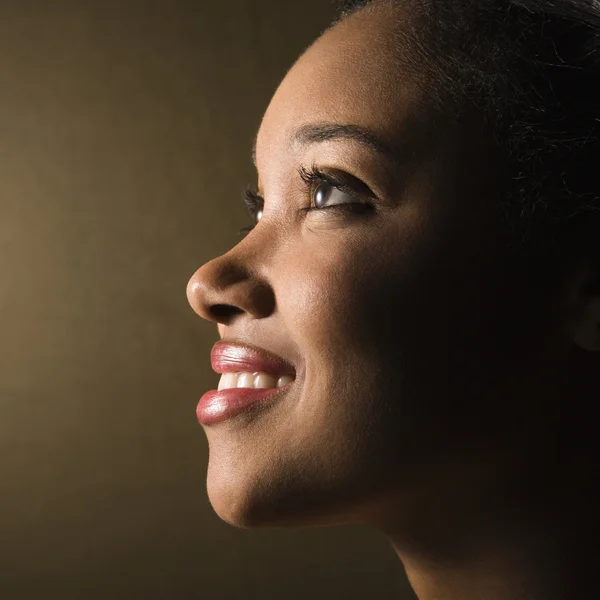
[[532, 67]]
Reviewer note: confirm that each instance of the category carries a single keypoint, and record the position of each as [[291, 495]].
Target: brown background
[[125, 135]]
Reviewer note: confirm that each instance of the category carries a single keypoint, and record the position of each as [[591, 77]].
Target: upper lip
[[235, 357]]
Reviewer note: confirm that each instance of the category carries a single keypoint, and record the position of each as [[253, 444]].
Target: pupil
[[321, 194]]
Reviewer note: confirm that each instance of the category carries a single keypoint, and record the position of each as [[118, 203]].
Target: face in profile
[[379, 268]]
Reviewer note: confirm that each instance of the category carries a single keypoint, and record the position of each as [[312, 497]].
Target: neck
[[537, 562], [523, 524], [536, 542]]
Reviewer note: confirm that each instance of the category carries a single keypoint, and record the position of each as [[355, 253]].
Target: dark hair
[[533, 68]]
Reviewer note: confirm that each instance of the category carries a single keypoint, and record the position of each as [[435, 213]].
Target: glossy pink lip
[[219, 405], [228, 357]]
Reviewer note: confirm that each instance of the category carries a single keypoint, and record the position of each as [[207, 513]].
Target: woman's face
[[419, 348]]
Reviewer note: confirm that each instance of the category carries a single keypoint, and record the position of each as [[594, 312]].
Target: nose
[[224, 289]]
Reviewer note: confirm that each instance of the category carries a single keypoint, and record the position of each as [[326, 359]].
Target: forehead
[[359, 72]]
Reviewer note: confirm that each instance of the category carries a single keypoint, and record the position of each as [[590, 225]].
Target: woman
[[423, 284]]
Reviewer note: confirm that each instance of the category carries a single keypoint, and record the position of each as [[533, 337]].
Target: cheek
[[338, 304], [331, 303], [325, 300], [414, 325], [341, 295]]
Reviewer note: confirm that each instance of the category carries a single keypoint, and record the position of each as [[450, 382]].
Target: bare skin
[[437, 375]]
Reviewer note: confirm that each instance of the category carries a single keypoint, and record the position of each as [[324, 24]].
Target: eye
[[327, 194], [328, 190], [254, 204]]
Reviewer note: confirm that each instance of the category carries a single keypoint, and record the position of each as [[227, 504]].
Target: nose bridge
[[227, 286]]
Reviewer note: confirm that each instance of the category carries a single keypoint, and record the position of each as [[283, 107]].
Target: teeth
[[284, 380], [252, 380], [245, 380], [262, 380], [228, 380]]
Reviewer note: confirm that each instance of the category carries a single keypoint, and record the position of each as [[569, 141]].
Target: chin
[[250, 503], [242, 500], [229, 497], [237, 518]]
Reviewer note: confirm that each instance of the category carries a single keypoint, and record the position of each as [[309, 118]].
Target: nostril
[[222, 311]]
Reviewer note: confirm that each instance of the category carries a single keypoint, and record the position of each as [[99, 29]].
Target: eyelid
[[312, 178], [336, 178]]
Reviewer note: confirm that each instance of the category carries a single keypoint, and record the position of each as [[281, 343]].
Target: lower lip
[[219, 405]]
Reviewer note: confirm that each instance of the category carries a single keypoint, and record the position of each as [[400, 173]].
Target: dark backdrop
[[125, 136]]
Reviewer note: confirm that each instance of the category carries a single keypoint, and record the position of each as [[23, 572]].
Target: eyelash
[[312, 178]]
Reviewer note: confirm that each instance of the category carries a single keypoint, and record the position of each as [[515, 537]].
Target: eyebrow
[[324, 132]]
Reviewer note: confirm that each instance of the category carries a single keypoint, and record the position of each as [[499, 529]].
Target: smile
[[257, 380]]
